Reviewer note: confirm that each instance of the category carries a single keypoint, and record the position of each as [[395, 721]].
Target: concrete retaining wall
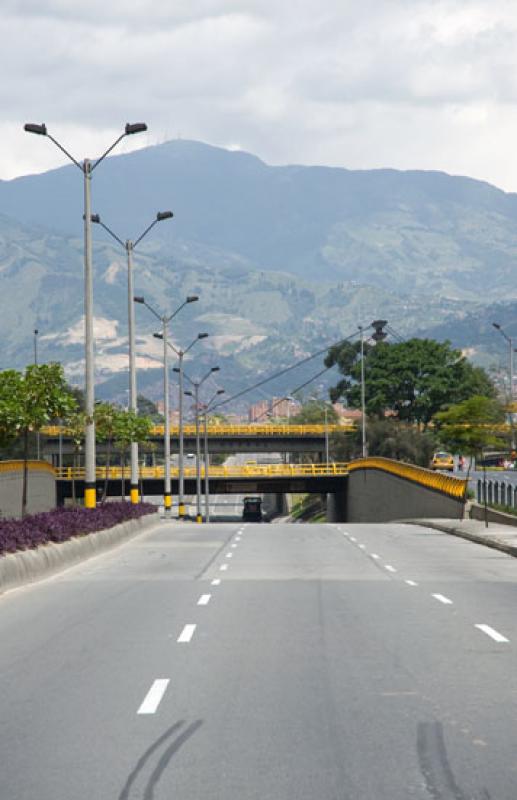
[[377, 496], [41, 488], [18, 569]]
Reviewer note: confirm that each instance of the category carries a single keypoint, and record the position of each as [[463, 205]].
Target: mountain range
[[284, 259]]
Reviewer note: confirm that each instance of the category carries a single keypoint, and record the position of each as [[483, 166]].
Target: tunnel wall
[[381, 490], [41, 488]]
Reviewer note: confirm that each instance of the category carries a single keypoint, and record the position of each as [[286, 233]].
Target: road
[[265, 662]]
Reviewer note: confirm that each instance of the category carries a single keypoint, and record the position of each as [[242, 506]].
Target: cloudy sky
[[428, 84]]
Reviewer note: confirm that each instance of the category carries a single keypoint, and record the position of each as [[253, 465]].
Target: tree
[[27, 402], [413, 379], [105, 416], [129, 427], [471, 426], [146, 408], [388, 438], [313, 413]]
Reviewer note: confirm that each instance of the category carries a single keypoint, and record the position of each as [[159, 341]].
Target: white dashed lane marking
[[223, 567], [411, 583], [186, 634], [442, 599], [229, 555], [390, 568], [495, 635], [154, 696], [375, 556], [216, 582], [204, 600]]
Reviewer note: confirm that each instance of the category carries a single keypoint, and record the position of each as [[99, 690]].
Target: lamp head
[[192, 298], [176, 369], [32, 127], [139, 299], [202, 335], [158, 335], [220, 391], [496, 326], [187, 391], [135, 127], [95, 218], [161, 215], [215, 369]]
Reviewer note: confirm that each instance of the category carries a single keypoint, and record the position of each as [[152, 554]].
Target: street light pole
[[509, 339], [326, 437], [167, 498], [207, 455], [36, 332], [164, 319], [196, 386], [129, 247], [87, 167], [363, 398]]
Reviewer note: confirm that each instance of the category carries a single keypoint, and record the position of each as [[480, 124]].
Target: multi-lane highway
[[278, 662]]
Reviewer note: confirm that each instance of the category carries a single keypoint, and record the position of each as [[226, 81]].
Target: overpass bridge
[[222, 438], [371, 489]]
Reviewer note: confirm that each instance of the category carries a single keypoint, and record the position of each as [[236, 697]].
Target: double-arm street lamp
[[129, 245], [87, 167], [165, 319], [181, 460], [196, 385]]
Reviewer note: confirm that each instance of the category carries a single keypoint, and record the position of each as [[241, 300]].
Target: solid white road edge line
[[443, 599], [154, 696], [186, 634], [204, 600], [495, 635]]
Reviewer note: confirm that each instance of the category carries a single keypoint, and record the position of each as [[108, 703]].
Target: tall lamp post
[[196, 385], [181, 449], [509, 340], [363, 398], [207, 458], [87, 167], [38, 438], [129, 245], [165, 319]]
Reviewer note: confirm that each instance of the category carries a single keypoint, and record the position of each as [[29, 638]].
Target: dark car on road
[[252, 509]]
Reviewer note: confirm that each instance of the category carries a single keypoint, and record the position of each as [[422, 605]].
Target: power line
[[286, 370], [298, 389]]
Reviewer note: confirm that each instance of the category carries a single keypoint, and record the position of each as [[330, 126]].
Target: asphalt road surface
[[265, 662]]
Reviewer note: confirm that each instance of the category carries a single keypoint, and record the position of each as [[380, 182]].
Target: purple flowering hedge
[[64, 523]]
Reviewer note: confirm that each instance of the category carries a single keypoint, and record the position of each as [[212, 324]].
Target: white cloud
[[403, 83]]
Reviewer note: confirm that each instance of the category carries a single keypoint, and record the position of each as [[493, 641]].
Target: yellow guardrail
[[454, 487], [234, 430], [17, 466], [232, 471]]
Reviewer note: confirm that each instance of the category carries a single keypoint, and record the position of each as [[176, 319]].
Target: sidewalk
[[499, 537]]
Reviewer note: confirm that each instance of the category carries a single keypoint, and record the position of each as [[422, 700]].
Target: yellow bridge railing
[[454, 487], [231, 471], [234, 430]]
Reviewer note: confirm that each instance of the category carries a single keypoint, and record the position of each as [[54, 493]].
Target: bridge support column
[[336, 507]]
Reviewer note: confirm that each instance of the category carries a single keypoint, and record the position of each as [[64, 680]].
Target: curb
[[495, 544], [28, 566]]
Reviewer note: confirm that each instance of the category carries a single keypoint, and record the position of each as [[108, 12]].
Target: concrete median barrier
[[27, 566]]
